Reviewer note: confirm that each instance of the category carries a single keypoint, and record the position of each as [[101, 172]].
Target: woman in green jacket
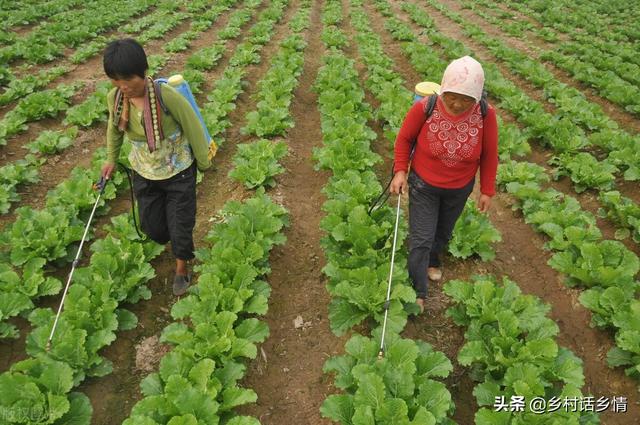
[[166, 148]]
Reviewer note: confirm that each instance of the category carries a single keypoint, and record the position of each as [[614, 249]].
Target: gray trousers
[[433, 213]]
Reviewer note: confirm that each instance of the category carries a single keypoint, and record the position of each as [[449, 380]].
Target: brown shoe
[[435, 273], [420, 302]]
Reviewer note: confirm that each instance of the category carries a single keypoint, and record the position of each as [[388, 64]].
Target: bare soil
[[288, 375]]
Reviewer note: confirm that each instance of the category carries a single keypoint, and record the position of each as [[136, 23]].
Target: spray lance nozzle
[[100, 184]]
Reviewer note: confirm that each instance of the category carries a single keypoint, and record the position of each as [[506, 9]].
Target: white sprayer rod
[[393, 256], [73, 267]]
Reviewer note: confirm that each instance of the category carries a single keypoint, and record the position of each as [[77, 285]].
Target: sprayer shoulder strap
[[157, 85], [429, 105]]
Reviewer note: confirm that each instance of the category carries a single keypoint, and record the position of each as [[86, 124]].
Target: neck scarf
[[464, 76], [151, 113]]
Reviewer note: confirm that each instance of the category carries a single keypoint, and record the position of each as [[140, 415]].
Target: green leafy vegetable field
[[290, 318]]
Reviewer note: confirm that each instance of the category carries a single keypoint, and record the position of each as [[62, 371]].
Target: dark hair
[[124, 58]]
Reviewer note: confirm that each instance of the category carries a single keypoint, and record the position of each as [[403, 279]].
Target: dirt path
[[521, 257], [288, 377]]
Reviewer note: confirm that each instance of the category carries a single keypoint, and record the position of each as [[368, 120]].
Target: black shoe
[[181, 284]]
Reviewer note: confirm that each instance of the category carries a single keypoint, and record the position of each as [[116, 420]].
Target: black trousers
[[168, 210], [433, 213]]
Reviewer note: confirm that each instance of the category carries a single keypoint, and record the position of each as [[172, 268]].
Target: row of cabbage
[[78, 26], [499, 318], [21, 82], [230, 85], [617, 38], [256, 163], [614, 79], [572, 50], [511, 349], [600, 56], [197, 382], [41, 238], [398, 387], [39, 389], [25, 13], [48, 40], [606, 267]]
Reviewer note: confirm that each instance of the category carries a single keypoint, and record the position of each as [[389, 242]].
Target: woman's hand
[[399, 183], [484, 202], [107, 170]]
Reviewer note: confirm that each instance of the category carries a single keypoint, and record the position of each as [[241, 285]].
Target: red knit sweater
[[450, 148]]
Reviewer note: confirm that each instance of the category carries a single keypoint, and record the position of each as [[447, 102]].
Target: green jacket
[[184, 138]]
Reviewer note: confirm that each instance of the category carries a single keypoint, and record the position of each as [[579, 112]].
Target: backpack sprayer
[[182, 87], [422, 89]]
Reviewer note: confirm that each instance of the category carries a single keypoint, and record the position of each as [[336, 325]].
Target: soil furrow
[[288, 376]]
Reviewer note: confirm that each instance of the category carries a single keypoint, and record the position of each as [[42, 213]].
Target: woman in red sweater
[[451, 145]]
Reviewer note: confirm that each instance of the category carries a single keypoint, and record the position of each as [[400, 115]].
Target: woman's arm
[[191, 126], [489, 156]]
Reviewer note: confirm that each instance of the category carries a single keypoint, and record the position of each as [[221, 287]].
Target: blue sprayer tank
[[178, 82], [424, 89]]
